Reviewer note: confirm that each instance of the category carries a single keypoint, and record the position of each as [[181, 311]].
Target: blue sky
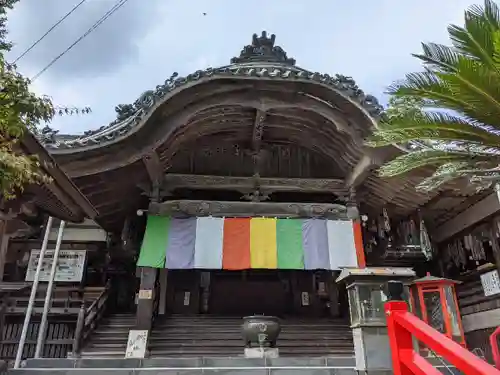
[[145, 41]]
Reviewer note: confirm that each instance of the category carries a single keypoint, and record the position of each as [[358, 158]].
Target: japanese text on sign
[[491, 283]]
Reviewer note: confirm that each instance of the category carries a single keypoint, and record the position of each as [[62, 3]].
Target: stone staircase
[[109, 340], [205, 335]]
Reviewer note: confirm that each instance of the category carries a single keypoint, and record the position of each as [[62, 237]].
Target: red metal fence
[[403, 326], [494, 346]]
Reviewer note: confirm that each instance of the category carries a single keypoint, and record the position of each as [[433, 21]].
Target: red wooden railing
[[494, 347], [403, 325]]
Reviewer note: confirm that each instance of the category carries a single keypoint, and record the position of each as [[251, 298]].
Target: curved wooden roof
[[59, 198], [261, 109]]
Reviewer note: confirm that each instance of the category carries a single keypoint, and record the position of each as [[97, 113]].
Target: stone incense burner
[[260, 331]]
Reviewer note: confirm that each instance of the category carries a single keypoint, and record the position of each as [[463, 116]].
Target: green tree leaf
[[20, 111], [448, 115]]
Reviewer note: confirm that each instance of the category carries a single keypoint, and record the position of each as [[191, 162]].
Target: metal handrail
[[88, 319], [403, 326], [96, 301]]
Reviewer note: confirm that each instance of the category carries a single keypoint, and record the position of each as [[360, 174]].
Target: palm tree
[[455, 132]]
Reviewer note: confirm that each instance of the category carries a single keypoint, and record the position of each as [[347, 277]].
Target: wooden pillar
[[145, 302], [493, 231], [137, 342], [333, 294], [163, 291]]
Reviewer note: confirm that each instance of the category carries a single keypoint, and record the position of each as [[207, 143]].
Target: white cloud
[[369, 40]]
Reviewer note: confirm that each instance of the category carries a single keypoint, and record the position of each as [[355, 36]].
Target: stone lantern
[[367, 288], [434, 300]]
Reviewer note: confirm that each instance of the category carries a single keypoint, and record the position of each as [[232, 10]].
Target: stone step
[[297, 329], [111, 332], [90, 354], [209, 340], [226, 334], [193, 366], [214, 353], [310, 322], [100, 345], [229, 320], [238, 330], [117, 324], [221, 347], [229, 337], [340, 365], [203, 317], [194, 362]]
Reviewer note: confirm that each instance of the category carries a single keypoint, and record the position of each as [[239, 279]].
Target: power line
[[108, 14], [48, 31]]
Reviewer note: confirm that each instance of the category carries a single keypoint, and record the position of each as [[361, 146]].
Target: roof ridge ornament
[[47, 135], [263, 49]]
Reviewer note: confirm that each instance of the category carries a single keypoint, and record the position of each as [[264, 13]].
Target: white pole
[[497, 190], [34, 288], [43, 324]]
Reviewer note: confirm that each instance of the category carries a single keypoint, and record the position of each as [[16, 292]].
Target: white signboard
[[491, 283], [305, 298], [187, 298], [70, 265], [145, 294], [136, 344]]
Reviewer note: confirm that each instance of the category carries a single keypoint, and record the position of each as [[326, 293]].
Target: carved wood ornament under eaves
[[247, 185], [182, 208]]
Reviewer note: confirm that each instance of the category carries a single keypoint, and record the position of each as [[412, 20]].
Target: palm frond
[[490, 12], [422, 158], [472, 93], [439, 57], [445, 173], [463, 79], [477, 85], [476, 39], [433, 126], [481, 178], [426, 85]]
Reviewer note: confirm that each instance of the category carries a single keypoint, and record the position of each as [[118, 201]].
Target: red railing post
[[400, 339], [494, 347], [402, 326]]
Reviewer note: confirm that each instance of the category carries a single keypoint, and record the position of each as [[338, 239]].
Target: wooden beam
[[480, 211], [96, 184], [109, 203], [334, 186], [244, 209], [92, 195], [371, 159], [359, 172], [62, 187], [155, 172]]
